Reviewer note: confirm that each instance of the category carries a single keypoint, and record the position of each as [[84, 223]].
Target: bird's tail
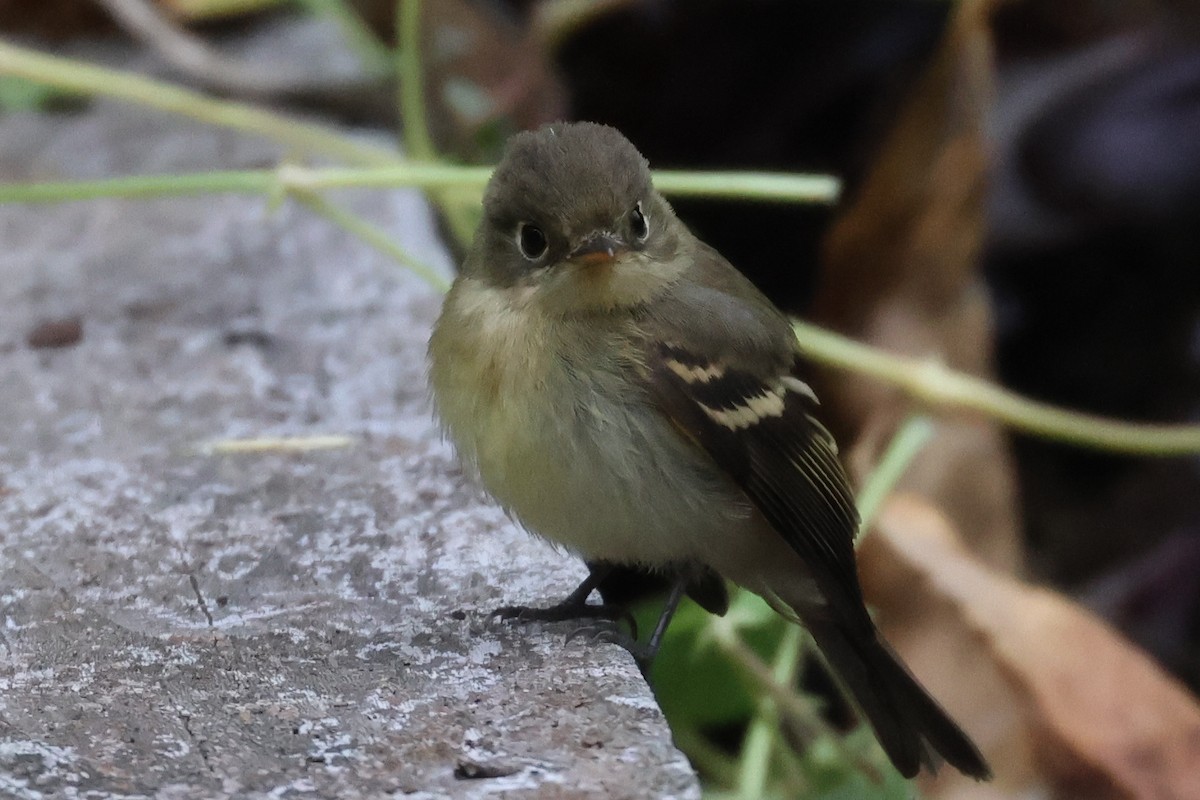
[[910, 725]]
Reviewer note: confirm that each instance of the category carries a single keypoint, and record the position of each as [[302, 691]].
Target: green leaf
[[695, 683]]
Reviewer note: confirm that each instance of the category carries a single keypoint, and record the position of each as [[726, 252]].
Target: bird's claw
[[564, 612], [611, 634]]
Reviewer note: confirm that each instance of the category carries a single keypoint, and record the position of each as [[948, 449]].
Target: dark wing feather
[[763, 434]]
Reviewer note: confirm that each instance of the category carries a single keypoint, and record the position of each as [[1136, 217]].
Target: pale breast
[[570, 448]]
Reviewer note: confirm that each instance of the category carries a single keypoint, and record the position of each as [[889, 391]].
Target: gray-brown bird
[[623, 391]]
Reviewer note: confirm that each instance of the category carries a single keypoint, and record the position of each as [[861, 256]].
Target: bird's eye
[[532, 241], [639, 222]]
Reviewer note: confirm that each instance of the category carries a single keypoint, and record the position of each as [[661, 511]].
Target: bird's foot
[[643, 654], [566, 611]]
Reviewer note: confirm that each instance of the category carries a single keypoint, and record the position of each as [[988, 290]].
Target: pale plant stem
[[276, 444], [89, 79], [374, 236], [906, 444], [374, 54], [770, 186], [215, 9], [935, 384], [928, 381], [433, 175], [457, 211], [755, 763], [412, 81], [799, 710]]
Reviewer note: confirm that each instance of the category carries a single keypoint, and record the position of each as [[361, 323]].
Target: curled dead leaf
[[1059, 702], [900, 270]]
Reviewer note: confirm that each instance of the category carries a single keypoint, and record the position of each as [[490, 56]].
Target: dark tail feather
[[911, 726]]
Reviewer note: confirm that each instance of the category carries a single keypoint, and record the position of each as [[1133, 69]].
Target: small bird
[[624, 392]]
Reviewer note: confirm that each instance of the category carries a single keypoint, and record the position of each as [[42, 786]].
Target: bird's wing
[[760, 429]]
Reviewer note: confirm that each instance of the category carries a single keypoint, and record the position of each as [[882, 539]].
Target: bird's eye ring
[[640, 223], [532, 241]]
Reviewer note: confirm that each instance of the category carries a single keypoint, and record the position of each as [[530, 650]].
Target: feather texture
[[761, 432]]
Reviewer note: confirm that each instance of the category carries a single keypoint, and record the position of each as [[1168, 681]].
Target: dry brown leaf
[[1055, 697], [900, 272], [1058, 701]]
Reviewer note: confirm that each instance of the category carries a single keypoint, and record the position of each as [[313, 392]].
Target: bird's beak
[[599, 248]]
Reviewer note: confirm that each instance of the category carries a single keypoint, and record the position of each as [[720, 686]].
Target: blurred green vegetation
[[713, 695]]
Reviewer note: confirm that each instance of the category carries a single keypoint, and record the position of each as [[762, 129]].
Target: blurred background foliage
[[1020, 189]]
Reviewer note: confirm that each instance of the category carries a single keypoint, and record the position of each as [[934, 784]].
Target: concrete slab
[[177, 623]]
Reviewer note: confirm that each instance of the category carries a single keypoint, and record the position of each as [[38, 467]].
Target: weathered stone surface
[[178, 623]]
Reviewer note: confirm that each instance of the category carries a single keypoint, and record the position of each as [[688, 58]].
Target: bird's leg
[[574, 606], [642, 653], [664, 619]]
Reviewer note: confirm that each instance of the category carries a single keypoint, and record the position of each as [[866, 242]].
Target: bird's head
[[571, 221]]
